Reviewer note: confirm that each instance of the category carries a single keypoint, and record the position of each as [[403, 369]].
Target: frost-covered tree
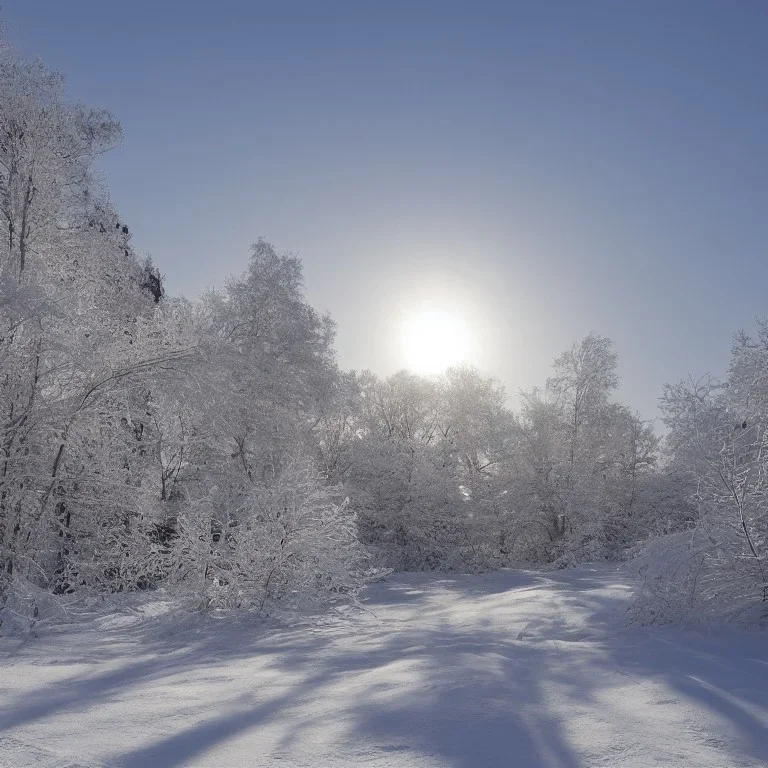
[[718, 440], [581, 466], [397, 476], [585, 377], [47, 147], [291, 541], [75, 327], [135, 429]]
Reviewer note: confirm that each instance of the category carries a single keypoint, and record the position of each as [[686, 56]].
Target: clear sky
[[542, 168]]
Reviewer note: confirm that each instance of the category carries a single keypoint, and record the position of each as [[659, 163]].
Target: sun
[[435, 340]]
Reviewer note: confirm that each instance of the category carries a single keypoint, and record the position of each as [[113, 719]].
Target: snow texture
[[506, 669]]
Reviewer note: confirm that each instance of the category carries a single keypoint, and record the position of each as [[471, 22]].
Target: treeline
[[214, 448], [443, 476]]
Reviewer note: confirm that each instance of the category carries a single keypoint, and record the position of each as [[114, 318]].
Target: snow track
[[507, 669]]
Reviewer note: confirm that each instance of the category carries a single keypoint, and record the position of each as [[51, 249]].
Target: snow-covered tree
[[718, 439], [134, 428]]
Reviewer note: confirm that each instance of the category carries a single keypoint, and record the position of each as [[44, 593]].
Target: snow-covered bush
[[25, 605], [291, 543], [719, 444], [699, 576]]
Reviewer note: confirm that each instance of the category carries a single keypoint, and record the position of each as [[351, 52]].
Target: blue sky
[[543, 168]]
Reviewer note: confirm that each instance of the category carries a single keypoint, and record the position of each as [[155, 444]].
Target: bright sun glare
[[434, 340]]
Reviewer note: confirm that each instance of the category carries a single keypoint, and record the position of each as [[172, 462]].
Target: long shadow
[[185, 745], [458, 718], [74, 693], [472, 710], [720, 678], [158, 659], [468, 694], [454, 707], [464, 715]]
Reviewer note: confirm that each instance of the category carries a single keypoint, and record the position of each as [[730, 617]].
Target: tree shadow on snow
[[468, 693], [456, 708]]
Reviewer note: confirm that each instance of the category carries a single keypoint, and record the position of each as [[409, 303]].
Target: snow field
[[506, 669]]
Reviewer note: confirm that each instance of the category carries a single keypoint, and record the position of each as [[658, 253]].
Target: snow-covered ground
[[507, 669]]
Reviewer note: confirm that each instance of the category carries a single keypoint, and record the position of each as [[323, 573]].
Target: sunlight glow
[[435, 340]]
